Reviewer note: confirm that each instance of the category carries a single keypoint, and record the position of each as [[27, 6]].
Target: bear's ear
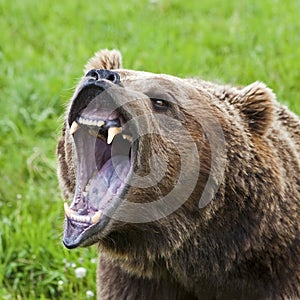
[[256, 103], [105, 59]]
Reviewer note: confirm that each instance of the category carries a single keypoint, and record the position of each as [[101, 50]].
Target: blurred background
[[43, 48]]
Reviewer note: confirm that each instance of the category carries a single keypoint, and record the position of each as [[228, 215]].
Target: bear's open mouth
[[104, 149]]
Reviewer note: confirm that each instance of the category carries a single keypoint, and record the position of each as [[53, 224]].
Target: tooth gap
[[112, 123]]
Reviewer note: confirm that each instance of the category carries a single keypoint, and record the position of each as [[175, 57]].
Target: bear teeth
[[68, 210], [127, 137], [73, 215], [112, 128], [89, 122], [112, 132], [96, 217], [74, 127]]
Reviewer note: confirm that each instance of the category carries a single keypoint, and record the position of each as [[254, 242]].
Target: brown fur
[[245, 243]]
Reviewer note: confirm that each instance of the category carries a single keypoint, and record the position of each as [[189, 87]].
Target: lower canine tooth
[[68, 210], [112, 132], [74, 127], [96, 217]]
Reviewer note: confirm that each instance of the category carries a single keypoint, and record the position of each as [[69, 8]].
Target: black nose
[[98, 74]]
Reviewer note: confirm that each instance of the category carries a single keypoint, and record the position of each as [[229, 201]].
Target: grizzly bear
[[191, 189]]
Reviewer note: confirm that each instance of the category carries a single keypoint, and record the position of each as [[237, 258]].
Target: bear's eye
[[160, 104]]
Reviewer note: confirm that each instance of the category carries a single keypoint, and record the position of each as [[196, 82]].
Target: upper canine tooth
[[74, 127], [112, 132]]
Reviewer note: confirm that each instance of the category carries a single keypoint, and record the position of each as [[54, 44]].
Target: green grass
[[43, 47]]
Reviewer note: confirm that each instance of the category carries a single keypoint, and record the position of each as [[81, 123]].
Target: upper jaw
[[87, 91], [104, 149]]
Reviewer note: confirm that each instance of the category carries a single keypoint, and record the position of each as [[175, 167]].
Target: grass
[[43, 47]]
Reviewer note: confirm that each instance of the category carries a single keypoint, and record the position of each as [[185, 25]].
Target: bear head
[[142, 156]]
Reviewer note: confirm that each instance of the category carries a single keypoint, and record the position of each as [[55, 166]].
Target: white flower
[[93, 260], [80, 272], [60, 282], [89, 294]]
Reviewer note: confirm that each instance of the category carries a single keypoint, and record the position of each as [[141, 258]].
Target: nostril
[[92, 73], [113, 77]]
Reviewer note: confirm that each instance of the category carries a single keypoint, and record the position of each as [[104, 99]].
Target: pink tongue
[[104, 186]]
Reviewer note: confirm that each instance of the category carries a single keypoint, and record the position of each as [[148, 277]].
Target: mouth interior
[[103, 146]]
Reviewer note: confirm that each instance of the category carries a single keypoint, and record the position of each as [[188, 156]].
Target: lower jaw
[[110, 182], [75, 236]]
